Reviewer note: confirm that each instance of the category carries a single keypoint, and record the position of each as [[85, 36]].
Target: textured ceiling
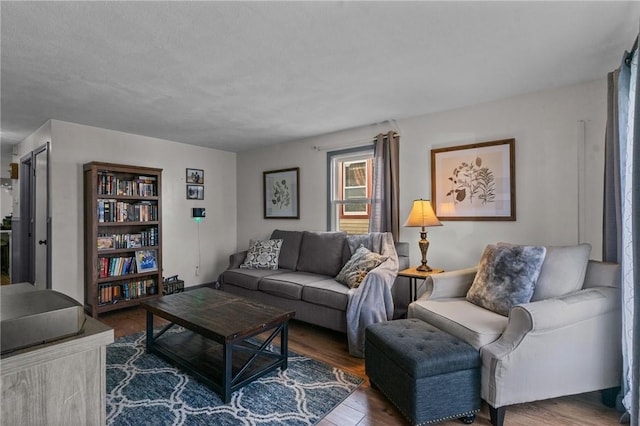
[[236, 75]]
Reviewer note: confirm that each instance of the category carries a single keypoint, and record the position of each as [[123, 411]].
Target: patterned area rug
[[143, 389]]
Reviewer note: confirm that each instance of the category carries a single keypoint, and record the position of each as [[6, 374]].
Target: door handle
[[42, 242]]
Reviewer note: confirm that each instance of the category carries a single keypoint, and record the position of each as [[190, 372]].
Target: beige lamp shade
[[422, 215]]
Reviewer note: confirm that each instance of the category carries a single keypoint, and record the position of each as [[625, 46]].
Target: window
[[350, 175], [355, 189]]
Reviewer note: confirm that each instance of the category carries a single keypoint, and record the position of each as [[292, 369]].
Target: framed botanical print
[[281, 194], [475, 181]]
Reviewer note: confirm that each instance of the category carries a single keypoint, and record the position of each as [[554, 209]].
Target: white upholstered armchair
[[565, 341]]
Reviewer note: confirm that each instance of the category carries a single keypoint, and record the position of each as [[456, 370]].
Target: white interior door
[[41, 219]]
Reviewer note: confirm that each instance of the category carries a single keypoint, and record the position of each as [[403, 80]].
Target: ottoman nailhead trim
[[457, 416], [428, 422]]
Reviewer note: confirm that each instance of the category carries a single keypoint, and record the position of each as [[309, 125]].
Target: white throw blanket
[[372, 301]]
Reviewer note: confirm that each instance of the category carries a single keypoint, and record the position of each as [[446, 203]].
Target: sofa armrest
[[552, 347], [449, 284], [236, 259]]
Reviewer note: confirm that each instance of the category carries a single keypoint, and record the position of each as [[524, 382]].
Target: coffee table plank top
[[217, 315]]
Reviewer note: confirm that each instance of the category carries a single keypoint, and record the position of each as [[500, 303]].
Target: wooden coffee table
[[219, 347]]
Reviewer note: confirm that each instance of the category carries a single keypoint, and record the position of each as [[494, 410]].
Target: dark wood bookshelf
[[96, 176]]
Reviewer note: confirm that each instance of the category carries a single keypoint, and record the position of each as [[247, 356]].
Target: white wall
[[546, 128], [185, 242]]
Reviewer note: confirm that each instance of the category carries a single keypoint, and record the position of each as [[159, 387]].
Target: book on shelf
[[116, 266], [110, 210], [145, 238], [113, 293], [111, 184]]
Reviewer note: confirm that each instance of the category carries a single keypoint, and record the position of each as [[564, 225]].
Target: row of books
[[116, 266], [113, 293], [143, 261], [122, 211], [141, 186], [119, 241]]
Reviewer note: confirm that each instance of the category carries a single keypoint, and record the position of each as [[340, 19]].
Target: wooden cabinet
[[122, 235], [62, 382]]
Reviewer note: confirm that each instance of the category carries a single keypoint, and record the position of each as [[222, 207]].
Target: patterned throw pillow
[[506, 277], [262, 255], [361, 262]]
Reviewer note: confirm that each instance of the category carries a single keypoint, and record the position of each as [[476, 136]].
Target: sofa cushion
[[562, 272], [328, 293], [362, 261], [248, 278], [506, 277], [288, 285], [321, 252], [475, 325], [262, 255], [290, 247]]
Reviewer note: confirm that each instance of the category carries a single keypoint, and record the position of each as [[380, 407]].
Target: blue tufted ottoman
[[428, 374]]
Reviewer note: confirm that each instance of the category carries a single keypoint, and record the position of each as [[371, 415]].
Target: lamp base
[[424, 268], [424, 246]]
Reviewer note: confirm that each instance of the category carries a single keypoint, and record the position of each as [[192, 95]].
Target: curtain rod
[[362, 142]]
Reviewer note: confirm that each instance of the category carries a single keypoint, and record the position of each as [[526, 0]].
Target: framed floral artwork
[[281, 194], [475, 181]]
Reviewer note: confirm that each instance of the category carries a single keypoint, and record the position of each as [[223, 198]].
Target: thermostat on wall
[[198, 212]]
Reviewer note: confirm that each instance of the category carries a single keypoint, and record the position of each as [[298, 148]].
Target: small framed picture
[[106, 243], [195, 176], [135, 241], [146, 261], [195, 192]]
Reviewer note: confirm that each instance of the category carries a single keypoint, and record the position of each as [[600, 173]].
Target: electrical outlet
[[197, 270]]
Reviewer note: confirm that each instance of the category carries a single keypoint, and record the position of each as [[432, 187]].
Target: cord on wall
[[581, 154], [198, 264]]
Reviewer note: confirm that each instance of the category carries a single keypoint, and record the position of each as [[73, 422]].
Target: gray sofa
[[304, 280]]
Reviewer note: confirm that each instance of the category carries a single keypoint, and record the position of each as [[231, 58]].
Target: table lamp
[[422, 215]]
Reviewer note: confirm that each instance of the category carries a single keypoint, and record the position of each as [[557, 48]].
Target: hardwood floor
[[367, 406]]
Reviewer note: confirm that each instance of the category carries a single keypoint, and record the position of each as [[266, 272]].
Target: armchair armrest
[[236, 259], [553, 347], [450, 284], [562, 311]]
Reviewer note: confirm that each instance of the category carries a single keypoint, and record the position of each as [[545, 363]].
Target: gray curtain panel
[[621, 226], [385, 200], [633, 286], [611, 212]]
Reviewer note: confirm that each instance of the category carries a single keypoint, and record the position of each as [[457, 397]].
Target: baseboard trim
[[193, 287]]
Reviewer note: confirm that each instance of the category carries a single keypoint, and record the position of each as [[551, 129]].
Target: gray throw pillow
[[262, 255], [562, 272], [290, 247], [322, 252], [362, 261], [506, 277]]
